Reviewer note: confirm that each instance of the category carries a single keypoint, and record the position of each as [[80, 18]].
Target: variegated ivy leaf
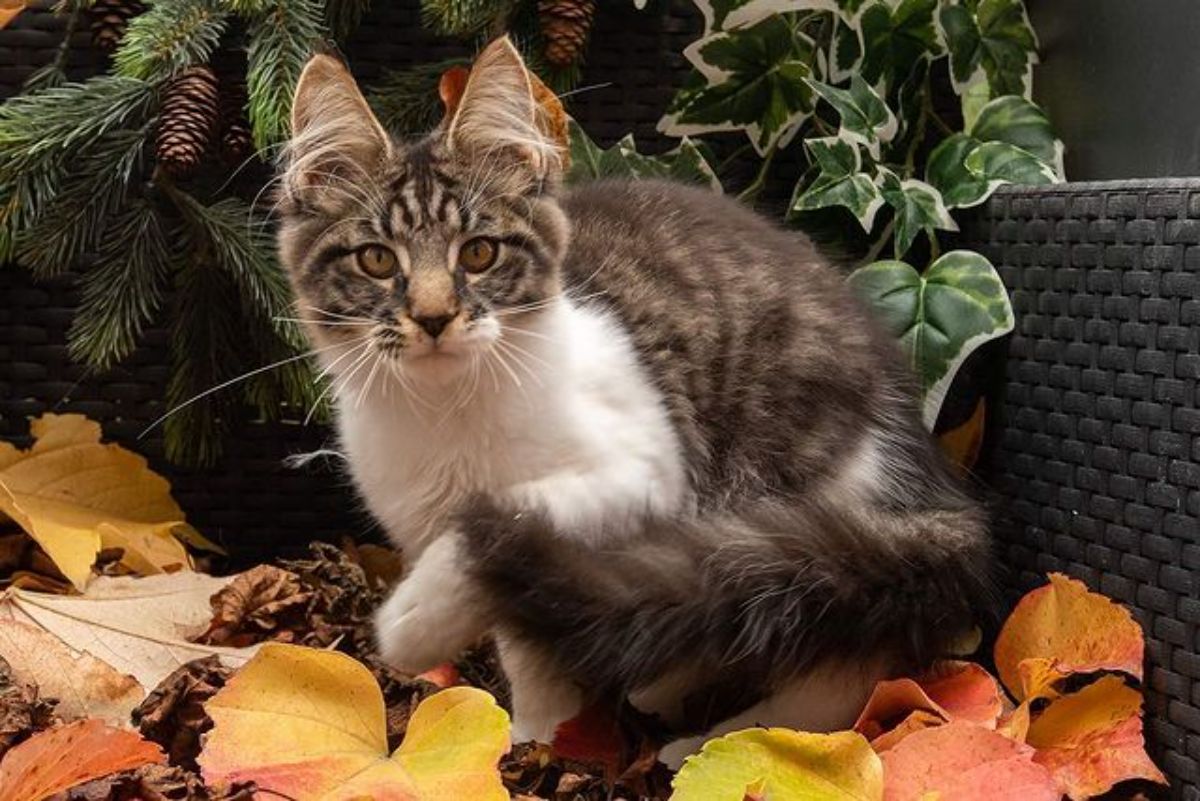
[[845, 51], [841, 182], [725, 15], [894, 37], [1000, 161], [1019, 122], [940, 317], [994, 38], [755, 84], [687, 163], [866, 119], [947, 172], [918, 206]]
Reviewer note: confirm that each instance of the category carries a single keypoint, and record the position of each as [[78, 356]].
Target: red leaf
[[592, 737]]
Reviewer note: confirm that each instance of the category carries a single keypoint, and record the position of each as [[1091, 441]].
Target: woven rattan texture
[[1097, 450], [251, 502]]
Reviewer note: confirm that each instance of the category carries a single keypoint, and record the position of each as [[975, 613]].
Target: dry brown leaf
[[265, 602], [85, 686], [173, 715], [962, 444], [140, 626], [75, 496], [59, 759], [22, 710]]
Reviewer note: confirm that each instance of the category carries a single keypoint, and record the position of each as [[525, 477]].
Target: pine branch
[[55, 73], [84, 198], [124, 290], [407, 101], [170, 37], [466, 17], [282, 40], [342, 17]]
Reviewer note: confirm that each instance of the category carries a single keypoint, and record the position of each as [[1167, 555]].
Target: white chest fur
[[583, 435]]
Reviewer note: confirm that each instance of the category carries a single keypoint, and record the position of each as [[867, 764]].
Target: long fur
[[766, 592]]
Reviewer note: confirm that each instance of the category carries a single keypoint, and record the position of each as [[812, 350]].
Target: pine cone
[[237, 141], [188, 120], [109, 20], [565, 26]]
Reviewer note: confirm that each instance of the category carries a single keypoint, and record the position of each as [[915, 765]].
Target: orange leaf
[[592, 737], [451, 86], [1062, 629], [963, 761], [951, 691], [9, 9], [1092, 739], [443, 675], [962, 444], [59, 759]]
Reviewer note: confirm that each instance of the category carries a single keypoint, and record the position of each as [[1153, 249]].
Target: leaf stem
[[760, 179], [880, 243], [734, 156]]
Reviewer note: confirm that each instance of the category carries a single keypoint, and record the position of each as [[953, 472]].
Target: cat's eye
[[377, 261], [478, 254]]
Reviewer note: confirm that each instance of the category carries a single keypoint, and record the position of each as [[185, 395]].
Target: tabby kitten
[[641, 435]]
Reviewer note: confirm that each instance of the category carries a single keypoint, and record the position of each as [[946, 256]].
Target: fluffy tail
[[770, 591]]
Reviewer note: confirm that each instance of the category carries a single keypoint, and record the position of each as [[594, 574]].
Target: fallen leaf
[[140, 626], [962, 444], [782, 764], [173, 715], [951, 691], [22, 709], [1015, 725], [86, 687], [1092, 739], [75, 496], [383, 567], [59, 759], [442, 676], [265, 602], [310, 724], [1062, 629], [594, 738], [961, 760]]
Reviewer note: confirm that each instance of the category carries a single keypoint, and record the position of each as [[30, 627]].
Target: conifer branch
[[465, 17], [343, 16], [124, 290], [282, 40], [170, 37], [406, 101]]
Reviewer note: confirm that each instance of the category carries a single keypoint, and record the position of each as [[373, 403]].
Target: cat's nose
[[434, 325]]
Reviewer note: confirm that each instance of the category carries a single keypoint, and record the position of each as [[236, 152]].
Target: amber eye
[[478, 254], [376, 261]]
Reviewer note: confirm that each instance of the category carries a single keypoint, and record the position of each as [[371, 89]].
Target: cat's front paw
[[409, 638]]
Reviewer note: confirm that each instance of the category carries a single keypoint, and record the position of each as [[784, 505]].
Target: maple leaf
[[964, 760], [59, 759], [310, 724], [778, 763], [75, 497], [951, 691], [1063, 629], [139, 626], [1092, 739]]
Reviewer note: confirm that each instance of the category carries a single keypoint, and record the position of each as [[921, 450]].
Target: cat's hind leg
[[542, 696]]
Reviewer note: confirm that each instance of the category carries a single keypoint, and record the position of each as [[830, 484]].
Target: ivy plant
[[847, 87]]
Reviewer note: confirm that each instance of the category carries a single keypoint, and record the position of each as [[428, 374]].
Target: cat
[[643, 436]]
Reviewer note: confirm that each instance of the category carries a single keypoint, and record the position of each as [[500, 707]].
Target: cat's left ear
[[504, 109], [335, 135]]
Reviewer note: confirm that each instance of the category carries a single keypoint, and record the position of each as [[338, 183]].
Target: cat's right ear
[[335, 135]]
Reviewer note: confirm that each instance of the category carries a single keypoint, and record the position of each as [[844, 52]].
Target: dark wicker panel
[[1097, 447]]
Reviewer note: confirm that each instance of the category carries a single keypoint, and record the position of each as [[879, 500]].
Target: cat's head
[[425, 253]]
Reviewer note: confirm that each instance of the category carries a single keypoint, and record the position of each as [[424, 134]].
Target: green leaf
[[686, 163], [781, 764], [729, 14], [895, 38], [1019, 122], [996, 38], [845, 51], [170, 37], [940, 317], [866, 119], [755, 84], [947, 172], [841, 182], [918, 206], [282, 40], [1000, 161]]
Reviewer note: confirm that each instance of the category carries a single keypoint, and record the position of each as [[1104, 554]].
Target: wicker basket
[[1097, 447]]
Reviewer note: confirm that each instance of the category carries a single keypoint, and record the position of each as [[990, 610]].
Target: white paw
[[408, 639], [527, 728], [673, 754]]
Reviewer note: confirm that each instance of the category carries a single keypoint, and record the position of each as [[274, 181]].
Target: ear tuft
[[335, 135], [498, 111]]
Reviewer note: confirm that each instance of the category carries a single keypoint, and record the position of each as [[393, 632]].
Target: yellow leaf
[[140, 626], [1092, 739], [74, 496], [1062, 629], [962, 444], [310, 724], [780, 764]]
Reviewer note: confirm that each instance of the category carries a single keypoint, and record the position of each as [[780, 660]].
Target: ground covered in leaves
[[129, 673]]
